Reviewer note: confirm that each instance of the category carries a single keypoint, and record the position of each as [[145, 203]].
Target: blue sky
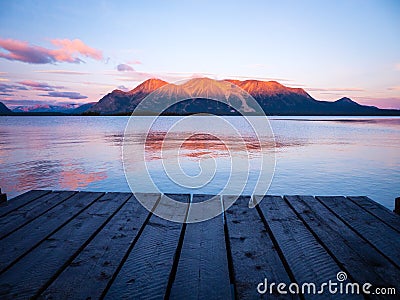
[[70, 51]]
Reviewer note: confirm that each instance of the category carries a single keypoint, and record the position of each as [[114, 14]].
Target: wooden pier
[[90, 245]]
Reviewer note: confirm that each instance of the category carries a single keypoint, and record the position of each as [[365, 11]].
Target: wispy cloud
[[63, 72], [66, 51], [123, 88], [25, 102], [335, 89], [40, 86], [394, 88], [69, 95], [10, 88], [125, 68]]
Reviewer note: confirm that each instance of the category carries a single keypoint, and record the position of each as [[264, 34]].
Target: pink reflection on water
[[76, 179], [200, 144]]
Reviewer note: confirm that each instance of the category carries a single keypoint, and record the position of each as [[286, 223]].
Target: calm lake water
[[314, 155]]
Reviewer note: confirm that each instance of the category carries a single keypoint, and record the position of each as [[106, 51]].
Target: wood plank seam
[[278, 249], [130, 248], [359, 234], [177, 253], [363, 261], [69, 261], [23, 204], [50, 234], [230, 259], [375, 215], [203, 257], [42, 213], [231, 268], [320, 241]]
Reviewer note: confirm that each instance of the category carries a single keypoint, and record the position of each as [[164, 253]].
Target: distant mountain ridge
[[46, 108], [273, 97], [67, 109], [4, 110]]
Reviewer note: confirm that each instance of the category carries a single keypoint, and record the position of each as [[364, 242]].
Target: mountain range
[[273, 98], [65, 109], [68, 108]]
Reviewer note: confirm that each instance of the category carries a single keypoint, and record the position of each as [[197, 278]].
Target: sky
[[59, 52]]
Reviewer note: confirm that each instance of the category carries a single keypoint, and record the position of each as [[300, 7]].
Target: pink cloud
[[63, 72], [71, 47], [346, 89], [68, 51], [40, 86], [69, 95]]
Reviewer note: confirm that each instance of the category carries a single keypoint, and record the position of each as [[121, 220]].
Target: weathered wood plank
[[87, 275], [145, 272], [202, 271], [25, 214], [20, 201], [379, 211], [33, 273], [372, 229], [253, 253], [360, 260], [14, 246], [306, 257]]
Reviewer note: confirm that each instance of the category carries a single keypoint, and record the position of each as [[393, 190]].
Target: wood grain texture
[[306, 257], [25, 214], [95, 245], [88, 274], [202, 271], [254, 255], [379, 211], [360, 260], [20, 242], [20, 201], [35, 271], [380, 235], [146, 270]]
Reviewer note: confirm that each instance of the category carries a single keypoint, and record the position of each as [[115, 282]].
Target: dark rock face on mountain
[[118, 101], [273, 98], [82, 108], [4, 109]]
